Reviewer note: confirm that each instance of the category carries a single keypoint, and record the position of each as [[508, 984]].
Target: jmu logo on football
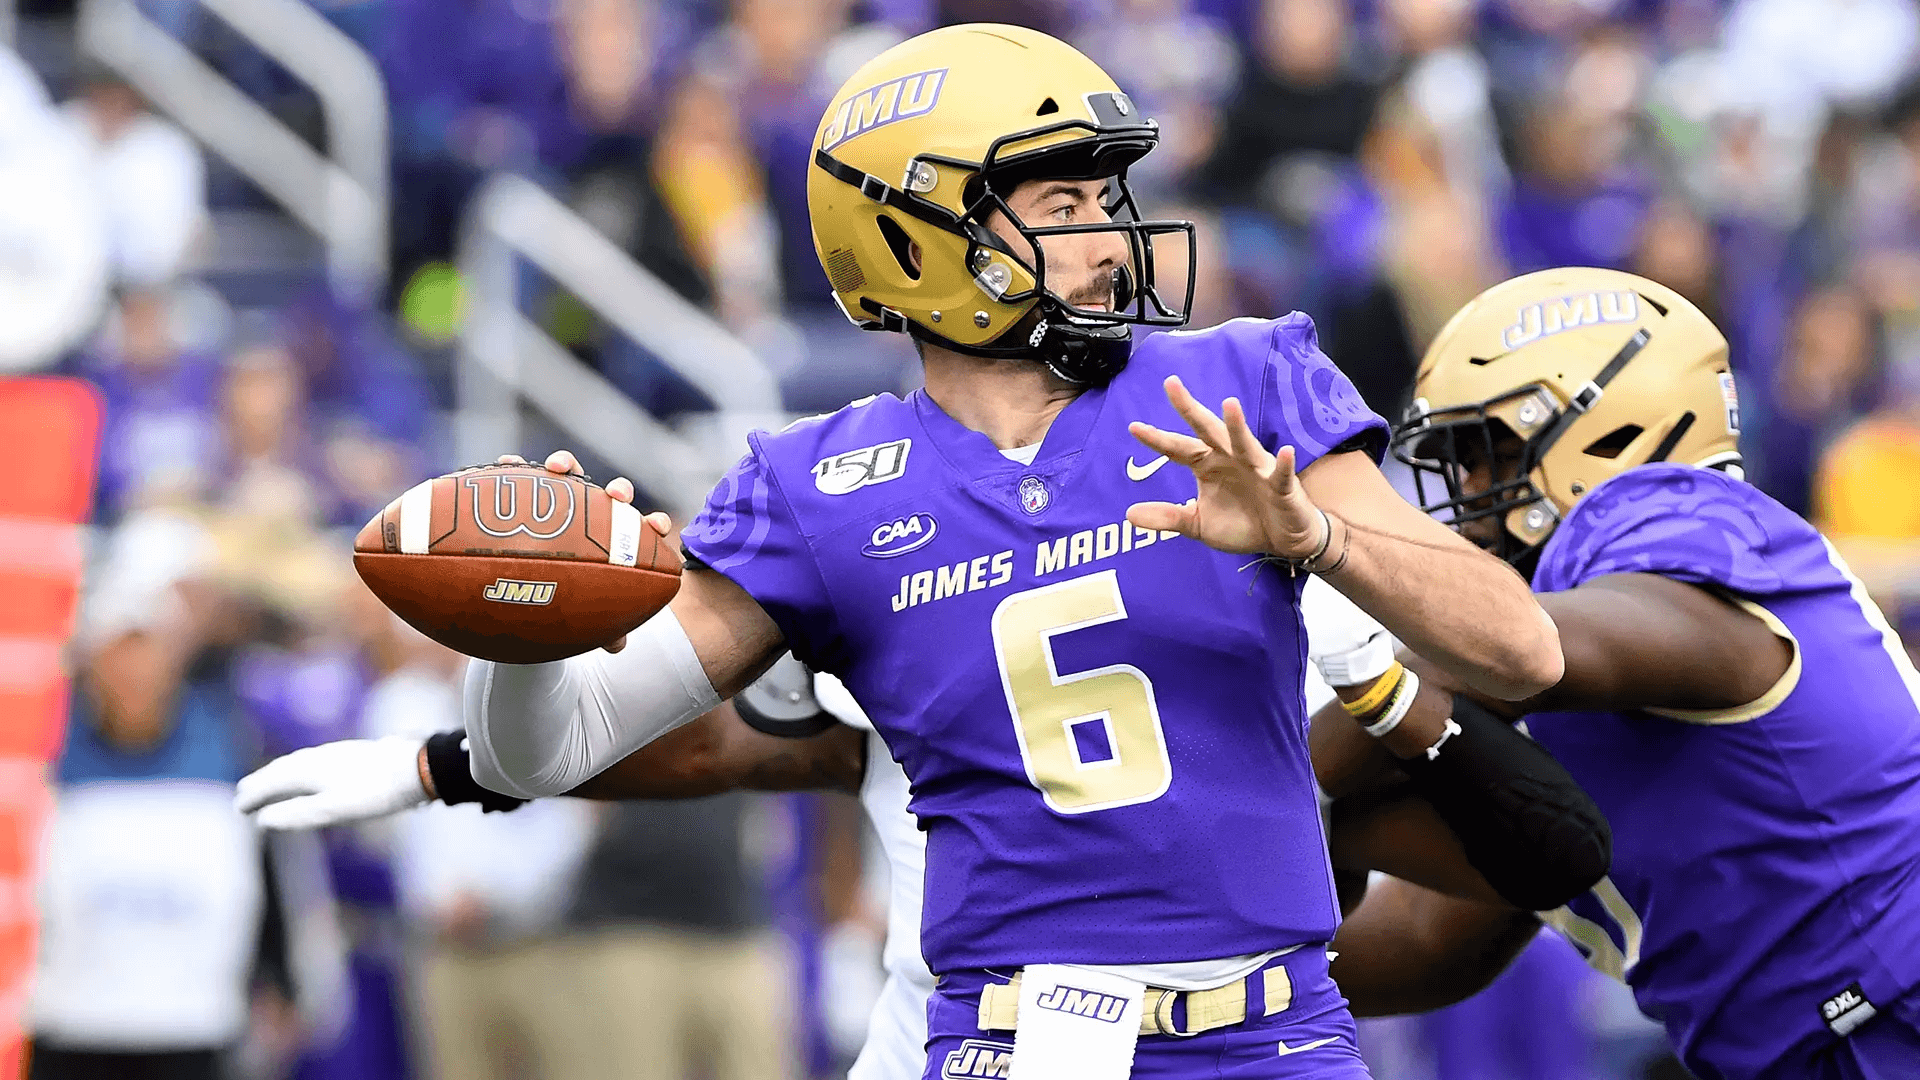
[[508, 505], [899, 536], [1088, 1003], [896, 99], [1544, 320], [978, 1059], [842, 474], [509, 591]]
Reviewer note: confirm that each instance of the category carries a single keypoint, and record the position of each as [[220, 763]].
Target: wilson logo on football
[[899, 536], [509, 505], [509, 591], [842, 474]]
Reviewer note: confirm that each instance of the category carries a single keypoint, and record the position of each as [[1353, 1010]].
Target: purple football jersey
[[1103, 725], [1764, 861]]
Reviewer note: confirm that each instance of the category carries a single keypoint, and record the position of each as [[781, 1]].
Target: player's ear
[[913, 254]]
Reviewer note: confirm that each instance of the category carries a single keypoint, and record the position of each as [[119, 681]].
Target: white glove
[[335, 783], [1348, 645]]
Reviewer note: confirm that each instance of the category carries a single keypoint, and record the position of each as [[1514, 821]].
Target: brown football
[[516, 564]]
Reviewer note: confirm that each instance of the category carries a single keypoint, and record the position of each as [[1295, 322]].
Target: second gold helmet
[[1556, 381]]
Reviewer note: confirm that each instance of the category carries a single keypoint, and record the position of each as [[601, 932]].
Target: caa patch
[[978, 1059], [891, 539], [845, 473], [877, 106]]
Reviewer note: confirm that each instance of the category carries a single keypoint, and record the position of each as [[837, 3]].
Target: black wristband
[[451, 769], [1527, 826]]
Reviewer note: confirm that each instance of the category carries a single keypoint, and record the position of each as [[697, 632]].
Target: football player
[[1733, 701], [1101, 718], [803, 732]]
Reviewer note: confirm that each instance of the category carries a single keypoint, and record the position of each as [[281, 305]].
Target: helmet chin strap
[[1082, 354]]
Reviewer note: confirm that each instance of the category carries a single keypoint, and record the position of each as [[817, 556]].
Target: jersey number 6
[[1062, 721]]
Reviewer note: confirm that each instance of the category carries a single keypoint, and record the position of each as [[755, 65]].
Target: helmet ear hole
[[1614, 442], [900, 244], [1047, 108]]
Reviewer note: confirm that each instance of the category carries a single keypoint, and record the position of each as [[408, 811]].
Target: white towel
[[1075, 1024]]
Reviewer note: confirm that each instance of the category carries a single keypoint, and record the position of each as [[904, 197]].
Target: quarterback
[[1732, 699], [1101, 719]]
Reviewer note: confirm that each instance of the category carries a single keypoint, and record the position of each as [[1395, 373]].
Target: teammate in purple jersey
[[1732, 699], [1101, 718]]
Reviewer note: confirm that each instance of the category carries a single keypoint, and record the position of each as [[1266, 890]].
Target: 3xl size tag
[[1847, 1010]]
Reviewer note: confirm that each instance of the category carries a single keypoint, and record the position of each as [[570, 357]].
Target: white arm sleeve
[[544, 729]]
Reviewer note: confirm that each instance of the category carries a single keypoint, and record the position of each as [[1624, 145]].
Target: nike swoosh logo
[[1304, 1047], [1141, 472]]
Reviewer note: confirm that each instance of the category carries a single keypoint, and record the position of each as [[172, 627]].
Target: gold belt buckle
[[1163, 1016]]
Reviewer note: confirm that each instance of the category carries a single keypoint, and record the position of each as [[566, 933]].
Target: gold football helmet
[[926, 141], [1552, 382]]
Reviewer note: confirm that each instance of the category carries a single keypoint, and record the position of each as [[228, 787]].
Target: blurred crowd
[[1374, 163]]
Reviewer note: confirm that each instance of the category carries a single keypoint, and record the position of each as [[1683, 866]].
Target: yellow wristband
[[1379, 693]]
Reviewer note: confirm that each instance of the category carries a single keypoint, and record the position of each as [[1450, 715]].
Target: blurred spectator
[[1298, 95], [151, 890], [54, 259], [162, 439], [1577, 198], [671, 913], [497, 991], [1825, 379], [150, 176], [1866, 500]]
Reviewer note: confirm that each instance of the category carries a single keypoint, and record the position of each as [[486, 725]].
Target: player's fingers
[[509, 459], [270, 783], [661, 523], [616, 644], [308, 812], [1204, 423], [1162, 516], [562, 462], [620, 488], [1283, 474], [1240, 441], [1184, 449]]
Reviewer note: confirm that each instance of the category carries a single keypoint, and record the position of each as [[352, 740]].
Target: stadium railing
[[342, 194], [505, 358]]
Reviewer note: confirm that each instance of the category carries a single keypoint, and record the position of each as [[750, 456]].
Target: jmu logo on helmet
[[512, 504], [896, 99], [1543, 320]]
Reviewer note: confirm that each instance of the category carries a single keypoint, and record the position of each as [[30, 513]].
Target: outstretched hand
[[1250, 500]]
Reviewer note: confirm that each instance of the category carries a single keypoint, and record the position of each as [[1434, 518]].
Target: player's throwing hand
[[1250, 500], [619, 488]]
